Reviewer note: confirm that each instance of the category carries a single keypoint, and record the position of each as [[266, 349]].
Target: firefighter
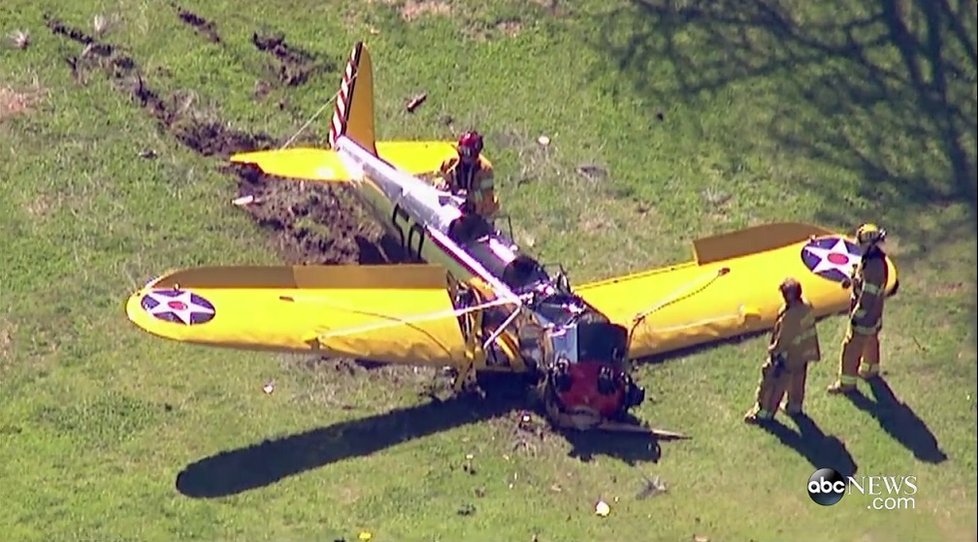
[[794, 344], [471, 174], [861, 346]]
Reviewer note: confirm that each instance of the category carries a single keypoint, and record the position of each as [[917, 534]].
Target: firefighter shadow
[[813, 444], [899, 421]]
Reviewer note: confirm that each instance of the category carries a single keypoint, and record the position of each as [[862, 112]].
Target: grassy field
[[701, 116]]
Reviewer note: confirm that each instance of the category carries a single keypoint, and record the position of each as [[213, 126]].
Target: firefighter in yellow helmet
[[471, 174], [861, 343], [794, 344]]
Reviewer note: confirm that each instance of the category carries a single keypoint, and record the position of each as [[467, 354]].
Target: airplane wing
[[314, 164], [297, 163], [731, 287], [396, 314]]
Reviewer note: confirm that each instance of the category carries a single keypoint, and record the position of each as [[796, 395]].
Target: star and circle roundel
[[178, 307], [832, 258]]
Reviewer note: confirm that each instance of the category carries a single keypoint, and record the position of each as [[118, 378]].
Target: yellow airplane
[[476, 301]]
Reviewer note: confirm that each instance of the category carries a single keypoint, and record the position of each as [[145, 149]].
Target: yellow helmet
[[869, 234]]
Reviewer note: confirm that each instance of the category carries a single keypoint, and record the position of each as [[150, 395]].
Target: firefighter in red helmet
[[471, 174]]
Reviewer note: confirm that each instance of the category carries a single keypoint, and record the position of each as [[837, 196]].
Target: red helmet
[[470, 144]]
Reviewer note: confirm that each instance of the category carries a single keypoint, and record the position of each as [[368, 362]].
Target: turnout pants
[[774, 385], [858, 348]]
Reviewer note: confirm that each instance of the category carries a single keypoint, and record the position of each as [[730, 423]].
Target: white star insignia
[[181, 305], [837, 257]]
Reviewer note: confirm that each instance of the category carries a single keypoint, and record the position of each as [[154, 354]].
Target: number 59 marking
[[411, 233]]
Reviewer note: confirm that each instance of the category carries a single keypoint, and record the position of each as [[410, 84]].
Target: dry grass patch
[[7, 330], [510, 28], [15, 102], [413, 9]]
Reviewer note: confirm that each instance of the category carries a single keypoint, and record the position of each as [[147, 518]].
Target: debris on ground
[[21, 39], [243, 200], [416, 102], [269, 387], [466, 510], [543, 140], [591, 171], [467, 466], [364, 536], [602, 509], [651, 487], [527, 432]]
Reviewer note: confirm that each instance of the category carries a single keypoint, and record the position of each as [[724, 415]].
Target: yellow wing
[[396, 314], [310, 164], [731, 287], [414, 157]]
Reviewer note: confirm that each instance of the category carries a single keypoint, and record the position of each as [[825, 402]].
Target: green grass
[[830, 112]]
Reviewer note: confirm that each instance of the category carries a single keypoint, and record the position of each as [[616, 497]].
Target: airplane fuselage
[[546, 330], [408, 208], [424, 220]]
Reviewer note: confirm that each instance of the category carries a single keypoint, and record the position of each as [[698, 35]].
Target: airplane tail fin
[[353, 115]]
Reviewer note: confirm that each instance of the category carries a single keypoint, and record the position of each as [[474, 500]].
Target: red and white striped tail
[[342, 109]]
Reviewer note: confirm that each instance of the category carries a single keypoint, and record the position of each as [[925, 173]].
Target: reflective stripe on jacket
[[868, 293]]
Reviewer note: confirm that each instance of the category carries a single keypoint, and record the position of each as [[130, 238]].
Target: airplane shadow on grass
[[252, 467]]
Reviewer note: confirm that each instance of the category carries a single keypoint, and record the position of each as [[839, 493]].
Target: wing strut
[[502, 327], [395, 322]]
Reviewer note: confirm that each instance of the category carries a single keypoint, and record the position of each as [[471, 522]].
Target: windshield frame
[[603, 342]]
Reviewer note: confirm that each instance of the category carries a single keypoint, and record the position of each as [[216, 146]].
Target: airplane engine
[[587, 375]]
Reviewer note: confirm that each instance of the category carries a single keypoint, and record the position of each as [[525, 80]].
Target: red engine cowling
[[593, 386]]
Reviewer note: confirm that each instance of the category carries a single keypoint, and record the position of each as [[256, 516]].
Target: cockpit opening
[[603, 342], [469, 228], [523, 271]]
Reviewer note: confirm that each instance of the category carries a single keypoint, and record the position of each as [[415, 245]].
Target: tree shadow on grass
[[899, 421], [883, 89], [878, 96], [252, 467]]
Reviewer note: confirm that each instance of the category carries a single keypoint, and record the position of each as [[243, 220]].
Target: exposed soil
[[294, 66], [310, 223], [205, 28]]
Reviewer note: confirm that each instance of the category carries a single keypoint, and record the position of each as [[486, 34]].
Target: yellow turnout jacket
[[795, 336]]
